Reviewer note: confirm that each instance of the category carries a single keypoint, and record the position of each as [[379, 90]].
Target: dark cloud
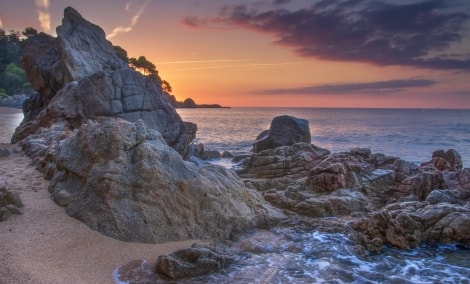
[[416, 34], [379, 87], [192, 21], [281, 2]]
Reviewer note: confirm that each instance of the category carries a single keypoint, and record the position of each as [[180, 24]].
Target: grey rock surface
[[137, 188]]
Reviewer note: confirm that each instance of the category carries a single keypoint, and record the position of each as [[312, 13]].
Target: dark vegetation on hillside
[[12, 76]]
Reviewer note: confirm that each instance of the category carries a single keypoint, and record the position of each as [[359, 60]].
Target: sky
[[286, 53]]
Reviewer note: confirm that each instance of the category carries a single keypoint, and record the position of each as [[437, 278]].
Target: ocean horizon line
[[314, 107], [355, 108]]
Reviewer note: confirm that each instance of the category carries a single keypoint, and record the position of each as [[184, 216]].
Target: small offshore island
[[104, 142]]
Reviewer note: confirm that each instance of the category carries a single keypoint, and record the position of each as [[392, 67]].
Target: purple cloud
[[417, 34], [379, 87]]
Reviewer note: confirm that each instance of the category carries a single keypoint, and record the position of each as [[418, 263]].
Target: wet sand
[[45, 245], [10, 110]]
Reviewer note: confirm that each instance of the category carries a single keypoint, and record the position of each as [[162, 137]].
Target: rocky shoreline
[[120, 159]]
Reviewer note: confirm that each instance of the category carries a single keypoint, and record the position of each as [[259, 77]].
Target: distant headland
[[16, 101], [190, 103]]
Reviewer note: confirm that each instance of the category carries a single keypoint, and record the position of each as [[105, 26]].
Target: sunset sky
[[299, 53]]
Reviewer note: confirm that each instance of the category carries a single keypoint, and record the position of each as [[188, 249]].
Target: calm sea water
[[411, 134], [10, 118]]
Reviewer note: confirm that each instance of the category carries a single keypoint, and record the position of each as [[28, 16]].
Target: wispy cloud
[[135, 18], [1, 24], [231, 63], [281, 2], [202, 61], [378, 87], [44, 17], [240, 66]]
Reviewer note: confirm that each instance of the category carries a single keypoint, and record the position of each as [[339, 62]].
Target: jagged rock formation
[[391, 201], [137, 188], [79, 76], [112, 145]]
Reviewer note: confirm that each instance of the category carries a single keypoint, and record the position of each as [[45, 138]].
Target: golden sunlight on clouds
[[266, 55], [120, 29], [43, 14]]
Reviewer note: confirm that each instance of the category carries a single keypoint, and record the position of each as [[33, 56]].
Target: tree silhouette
[[30, 32], [166, 86], [121, 53], [143, 65]]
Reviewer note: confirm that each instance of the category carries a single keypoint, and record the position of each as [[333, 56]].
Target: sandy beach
[[45, 245]]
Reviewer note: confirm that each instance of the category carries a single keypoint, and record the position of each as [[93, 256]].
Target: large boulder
[[137, 188], [192, 262], [85, 48], [285, 130], [79, 76]]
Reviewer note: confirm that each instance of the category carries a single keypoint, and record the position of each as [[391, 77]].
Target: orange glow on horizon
[[237, 67]]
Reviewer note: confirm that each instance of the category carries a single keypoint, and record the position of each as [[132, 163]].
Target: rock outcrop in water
[[112, 145], [78, 76], [285, 130], [391, 201]]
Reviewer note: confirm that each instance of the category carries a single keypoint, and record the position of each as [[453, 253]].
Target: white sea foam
[[327, 258]]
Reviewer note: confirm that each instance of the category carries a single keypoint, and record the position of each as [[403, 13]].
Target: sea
[[10, 118], [411, 134], [322, 257]]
